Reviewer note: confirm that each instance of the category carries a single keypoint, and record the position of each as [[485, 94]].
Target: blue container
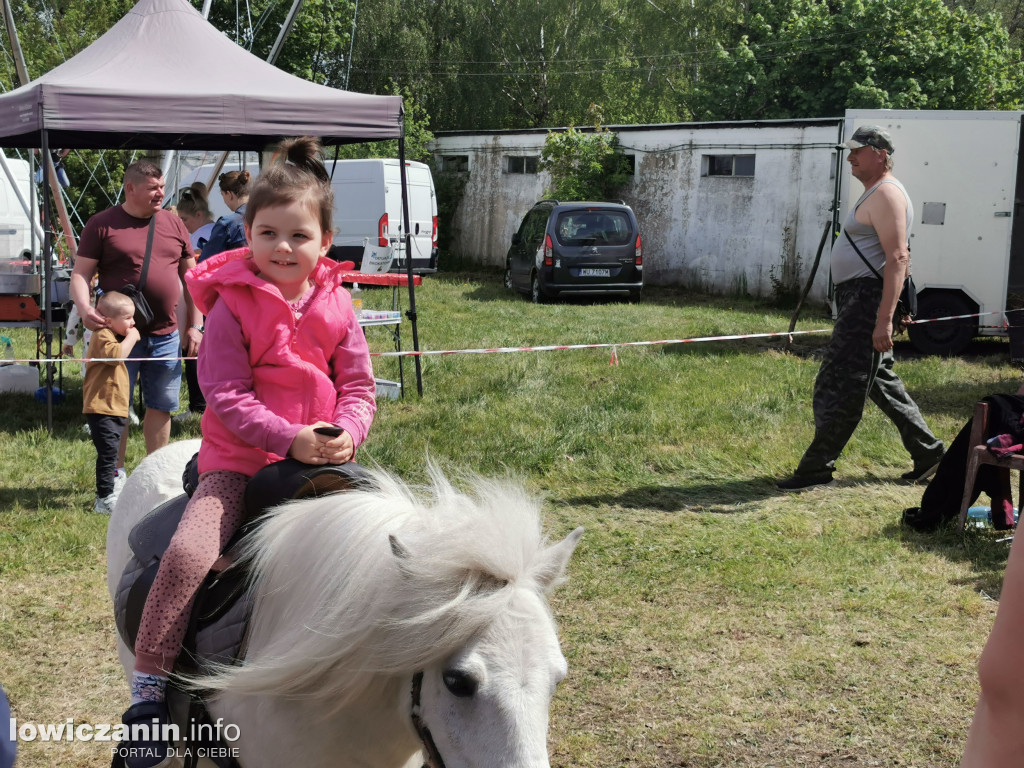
[[58, 395], [981, 517]]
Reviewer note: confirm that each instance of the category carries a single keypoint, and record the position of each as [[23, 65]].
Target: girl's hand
[[335, 449], [305, 447], [311, 448]]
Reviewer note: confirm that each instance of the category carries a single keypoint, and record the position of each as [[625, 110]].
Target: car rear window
[[593, 227]]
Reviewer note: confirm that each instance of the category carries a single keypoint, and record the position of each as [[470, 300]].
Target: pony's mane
[[382, 581]]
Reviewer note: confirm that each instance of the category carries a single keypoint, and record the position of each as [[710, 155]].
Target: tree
[[417, 134], [535, 63], [54, 31], [316, 48], [1011, 12], [811, 58], [584, 166]]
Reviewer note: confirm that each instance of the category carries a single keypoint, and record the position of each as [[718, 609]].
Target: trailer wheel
[[947, 337]]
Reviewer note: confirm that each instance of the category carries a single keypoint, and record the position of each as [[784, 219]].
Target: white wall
[[716, 233]]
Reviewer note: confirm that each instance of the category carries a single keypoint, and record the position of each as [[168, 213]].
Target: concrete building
[[730, 207]]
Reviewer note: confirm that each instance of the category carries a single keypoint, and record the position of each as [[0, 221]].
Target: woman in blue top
[[229, 231]]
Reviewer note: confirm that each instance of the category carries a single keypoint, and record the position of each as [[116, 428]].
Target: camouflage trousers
[[851, 372]]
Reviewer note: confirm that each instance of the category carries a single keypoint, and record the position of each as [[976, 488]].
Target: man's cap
[[869, 136]]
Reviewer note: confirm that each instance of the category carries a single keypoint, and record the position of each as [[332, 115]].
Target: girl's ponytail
[[295, 172], [306, 153]]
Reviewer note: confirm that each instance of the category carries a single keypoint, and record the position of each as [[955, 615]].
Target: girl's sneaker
[[149, 748]]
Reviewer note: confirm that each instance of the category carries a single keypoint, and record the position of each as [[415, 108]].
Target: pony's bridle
[[429, 747]]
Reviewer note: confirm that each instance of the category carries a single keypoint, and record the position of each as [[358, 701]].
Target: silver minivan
[[576, 248]]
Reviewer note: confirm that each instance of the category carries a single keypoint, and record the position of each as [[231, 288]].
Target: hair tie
[[289, 162]]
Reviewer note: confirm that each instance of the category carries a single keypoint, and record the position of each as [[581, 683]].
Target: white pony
[[377, 608]]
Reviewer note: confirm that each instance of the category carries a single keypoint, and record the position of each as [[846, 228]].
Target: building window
[[631, 164], [727, 165], [515, 164], [454, 163]]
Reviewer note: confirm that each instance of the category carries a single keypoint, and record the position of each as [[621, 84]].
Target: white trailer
[[962, 170], [15, 227]]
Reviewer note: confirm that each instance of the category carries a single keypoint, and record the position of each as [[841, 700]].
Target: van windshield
[[593, 227]]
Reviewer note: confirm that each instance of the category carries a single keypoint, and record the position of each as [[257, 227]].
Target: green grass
[[708, 621]]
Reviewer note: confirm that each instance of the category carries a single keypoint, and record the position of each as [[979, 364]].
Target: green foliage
[[482, 64], [808, 58], [316, 48], [96, 178], [584, 166], [535, 63], [417, 134], [53, 31]]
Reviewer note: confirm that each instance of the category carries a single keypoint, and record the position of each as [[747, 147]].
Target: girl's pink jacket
[[265, 374]]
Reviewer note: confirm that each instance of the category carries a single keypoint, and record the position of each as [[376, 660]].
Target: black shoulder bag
[[906, 305], [143, 312]]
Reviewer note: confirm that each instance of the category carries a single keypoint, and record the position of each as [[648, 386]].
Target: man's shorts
[[161, 379]]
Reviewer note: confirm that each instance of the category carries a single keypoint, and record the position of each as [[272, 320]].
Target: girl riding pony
[[283, 354]]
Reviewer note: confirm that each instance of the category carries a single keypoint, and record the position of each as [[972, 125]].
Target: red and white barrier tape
[[481, 351], [614, 346]]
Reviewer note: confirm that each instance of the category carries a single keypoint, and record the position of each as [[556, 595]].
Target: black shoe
[[921, 471], [913, 518], [802, 482], [147, 718]]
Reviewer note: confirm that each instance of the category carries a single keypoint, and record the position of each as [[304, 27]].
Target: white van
[[367, 208], [15, 229]]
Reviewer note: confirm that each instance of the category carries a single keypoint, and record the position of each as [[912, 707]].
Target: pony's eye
[[460, 684]]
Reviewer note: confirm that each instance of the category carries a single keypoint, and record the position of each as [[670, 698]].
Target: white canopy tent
[[134, 88]]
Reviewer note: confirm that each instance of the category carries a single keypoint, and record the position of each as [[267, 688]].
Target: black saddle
[[276, 483]]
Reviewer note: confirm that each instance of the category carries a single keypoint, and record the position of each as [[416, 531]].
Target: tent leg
[[411, 314], [47, 277]]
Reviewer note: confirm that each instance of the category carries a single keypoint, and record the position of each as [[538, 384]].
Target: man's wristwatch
[[199, 328]]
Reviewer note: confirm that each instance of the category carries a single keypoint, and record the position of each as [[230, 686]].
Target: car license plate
[[588, 272]]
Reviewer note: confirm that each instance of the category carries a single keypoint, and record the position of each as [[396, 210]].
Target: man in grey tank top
[[858, 360]]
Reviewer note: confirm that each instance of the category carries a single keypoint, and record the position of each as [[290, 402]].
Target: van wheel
[[508, 276], [536, 293], [948, 337]]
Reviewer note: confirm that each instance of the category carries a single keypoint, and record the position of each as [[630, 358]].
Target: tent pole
[[47, 168], [285, 29], [351, 45], [12, 33], [411, 314]]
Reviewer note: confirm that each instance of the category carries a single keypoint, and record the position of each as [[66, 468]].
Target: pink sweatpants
[[211, 518]]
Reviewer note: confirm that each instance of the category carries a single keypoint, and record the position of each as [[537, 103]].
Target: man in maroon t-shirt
[[113, 245]]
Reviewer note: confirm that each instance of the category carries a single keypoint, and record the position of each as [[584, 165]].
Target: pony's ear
[[550, 572], [402, 556], [397, 548]]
